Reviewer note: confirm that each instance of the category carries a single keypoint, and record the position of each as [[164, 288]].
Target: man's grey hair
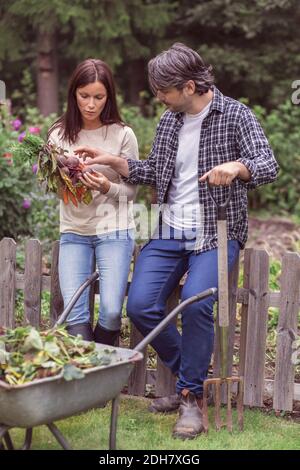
[[176, 66]]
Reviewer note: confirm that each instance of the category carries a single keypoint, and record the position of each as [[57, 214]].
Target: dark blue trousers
[[160, 266]]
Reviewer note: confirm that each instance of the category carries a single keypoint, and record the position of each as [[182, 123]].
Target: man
[[203, 137]]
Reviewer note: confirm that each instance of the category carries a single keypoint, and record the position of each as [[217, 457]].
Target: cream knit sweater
[[107, 212]]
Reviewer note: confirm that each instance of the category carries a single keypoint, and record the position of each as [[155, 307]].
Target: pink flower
[[21, 136], [17, 123], [26, 203], [34, 168], [8, 158], [34, 130]]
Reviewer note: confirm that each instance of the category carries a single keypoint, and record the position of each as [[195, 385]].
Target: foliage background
[[253, 47]]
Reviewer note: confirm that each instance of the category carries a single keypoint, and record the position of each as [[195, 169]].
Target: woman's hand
[[96, 181], [93, 155]]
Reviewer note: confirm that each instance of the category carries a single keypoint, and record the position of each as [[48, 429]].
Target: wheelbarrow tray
[[47, 400]]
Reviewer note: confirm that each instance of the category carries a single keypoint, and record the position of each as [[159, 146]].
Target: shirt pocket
[[224, 152]]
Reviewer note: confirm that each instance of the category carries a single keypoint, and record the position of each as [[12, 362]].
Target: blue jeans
[[113, 252], [159, 268]]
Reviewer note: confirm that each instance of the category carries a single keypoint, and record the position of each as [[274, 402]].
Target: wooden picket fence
[[248, 315]]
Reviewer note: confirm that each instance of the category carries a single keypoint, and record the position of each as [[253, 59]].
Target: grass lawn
[[139, 429]]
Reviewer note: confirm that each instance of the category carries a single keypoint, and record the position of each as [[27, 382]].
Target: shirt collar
[[218, 104]]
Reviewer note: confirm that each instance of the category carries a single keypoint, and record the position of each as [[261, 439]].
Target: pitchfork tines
[[216, 384]]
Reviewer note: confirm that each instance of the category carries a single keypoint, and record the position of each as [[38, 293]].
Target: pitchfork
[[223, 316]]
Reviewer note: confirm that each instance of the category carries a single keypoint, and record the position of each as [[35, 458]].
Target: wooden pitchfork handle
[[223, 304]]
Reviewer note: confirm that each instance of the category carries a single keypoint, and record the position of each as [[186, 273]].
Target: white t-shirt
[[106, 212], [183, 211]]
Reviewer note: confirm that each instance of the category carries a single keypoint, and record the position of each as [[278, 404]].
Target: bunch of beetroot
[[71, 170], [72, 167], [59, 172]]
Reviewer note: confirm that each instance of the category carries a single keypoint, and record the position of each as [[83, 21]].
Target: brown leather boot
[[189, 424], [165, 404]]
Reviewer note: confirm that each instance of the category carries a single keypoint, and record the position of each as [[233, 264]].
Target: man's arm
[[255, 151], [132, 171]]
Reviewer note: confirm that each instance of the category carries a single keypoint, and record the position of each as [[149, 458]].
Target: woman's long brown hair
[[88, 71]]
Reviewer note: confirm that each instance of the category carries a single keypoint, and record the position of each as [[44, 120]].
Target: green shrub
[[281, 126], [24, 208]]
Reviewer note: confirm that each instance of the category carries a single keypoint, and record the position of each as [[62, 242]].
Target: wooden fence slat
[[287, 330], [56, 300], [165, 380], [232, 300], [137, 379], [8, 250], [33, 282], [244, 312], [257, 328]]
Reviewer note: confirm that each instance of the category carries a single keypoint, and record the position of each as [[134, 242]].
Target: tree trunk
[[47, 73], [136, 82]]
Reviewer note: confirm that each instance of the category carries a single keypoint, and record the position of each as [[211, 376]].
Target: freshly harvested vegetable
[[27, 354], [60, 171]]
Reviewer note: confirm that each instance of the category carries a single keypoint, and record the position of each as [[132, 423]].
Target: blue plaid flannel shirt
[[230, 132]]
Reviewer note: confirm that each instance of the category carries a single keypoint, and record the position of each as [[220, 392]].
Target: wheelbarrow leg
[[5, 437], [59, 436], [8, 441], [28, 439], [113, 422]]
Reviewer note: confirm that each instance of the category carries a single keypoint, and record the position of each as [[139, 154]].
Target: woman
[[104, 229]]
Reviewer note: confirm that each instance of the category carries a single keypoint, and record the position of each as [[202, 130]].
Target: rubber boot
[[103, 336], [83, 329]]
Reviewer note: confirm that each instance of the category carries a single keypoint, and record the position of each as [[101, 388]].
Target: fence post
[[56, 300], [257, 328], [244, 312], [138, 377], [287, 330], [33, 282], [8, 249]]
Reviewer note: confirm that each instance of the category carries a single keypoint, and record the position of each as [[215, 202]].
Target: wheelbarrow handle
[[158, 329], [74, 299]]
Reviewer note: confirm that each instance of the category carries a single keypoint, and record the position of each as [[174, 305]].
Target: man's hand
[[93, 155], [223, 175], [96, 181]]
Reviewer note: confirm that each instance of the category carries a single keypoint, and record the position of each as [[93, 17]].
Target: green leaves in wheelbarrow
[[27, 355], [71, 372], [33, 341]]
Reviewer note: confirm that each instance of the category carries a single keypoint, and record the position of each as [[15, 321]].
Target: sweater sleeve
[[129, 148]]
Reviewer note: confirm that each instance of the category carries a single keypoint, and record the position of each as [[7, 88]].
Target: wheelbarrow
[[44, 401]]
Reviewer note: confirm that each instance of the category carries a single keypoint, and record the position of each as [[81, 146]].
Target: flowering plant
[[60, 172]]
